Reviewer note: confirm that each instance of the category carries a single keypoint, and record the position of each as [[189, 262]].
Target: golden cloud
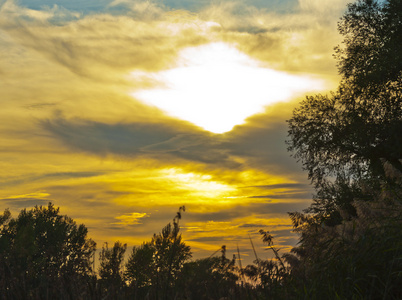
[[130, 219], [71, 130]]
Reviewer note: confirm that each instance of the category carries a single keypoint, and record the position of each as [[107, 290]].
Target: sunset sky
[[119, 112]]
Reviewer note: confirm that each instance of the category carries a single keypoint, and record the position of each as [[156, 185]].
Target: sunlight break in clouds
[[200, 185], [216, 87], [130, 219]]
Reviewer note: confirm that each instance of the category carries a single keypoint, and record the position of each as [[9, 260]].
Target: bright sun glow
[[198, 184], [216, 87]]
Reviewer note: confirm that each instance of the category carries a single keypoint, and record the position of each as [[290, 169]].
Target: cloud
[[103, 45], [9, 8], [220, 239], [259, 144], [31, 195], [139, 139], [26, 200], [302, 195], [130, 219], [261, 147], [20, 203], [47, 176], [300, 40], [25, 12], [71, 129], [325, 8], [287, 186]]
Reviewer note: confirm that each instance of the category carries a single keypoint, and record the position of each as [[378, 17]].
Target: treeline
[[350, 244], [45, 255]]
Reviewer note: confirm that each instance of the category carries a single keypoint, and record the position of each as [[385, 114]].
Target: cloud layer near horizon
[[71, 132]]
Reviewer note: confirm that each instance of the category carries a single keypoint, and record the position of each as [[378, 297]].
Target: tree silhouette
[[154, 266], [344, 139], [350, 144], [214, 277], [44, 255], [110, 269], [370, 54]]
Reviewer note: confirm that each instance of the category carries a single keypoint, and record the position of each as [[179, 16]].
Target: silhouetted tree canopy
[[350, 244], [347, 136], [155, 266], [43, 254], [110, 270], [214, 277], [350, 144], [371, 51]]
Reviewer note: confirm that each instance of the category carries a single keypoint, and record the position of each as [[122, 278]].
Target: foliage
[[268, 276], [343, 139], [209, 278], [44, 255], [371, 54], [349, 142], [154, 267], [110, 269], [360, 258], [47, 256], [350, 243]]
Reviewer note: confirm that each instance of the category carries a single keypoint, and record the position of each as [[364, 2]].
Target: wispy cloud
[[71, 128]]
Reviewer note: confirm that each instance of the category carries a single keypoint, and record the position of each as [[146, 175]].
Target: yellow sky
[[123, 111]]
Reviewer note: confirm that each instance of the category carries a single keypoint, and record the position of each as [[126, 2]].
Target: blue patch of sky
[[84, 7], [96, 6]]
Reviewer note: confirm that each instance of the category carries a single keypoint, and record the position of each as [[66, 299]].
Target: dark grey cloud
[[134, 139], [296, 191], [255, 142], [212, 239], [259, 226], [23, 202], [57, 176], [262, 141], [283, 186], [300, 195], [40, 105], [85, 194], [254, 30], [279, 207], [263, 147], [219, 216], [264, 210], [101, 138]]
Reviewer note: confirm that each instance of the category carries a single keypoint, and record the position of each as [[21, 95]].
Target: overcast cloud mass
[[76, 131]]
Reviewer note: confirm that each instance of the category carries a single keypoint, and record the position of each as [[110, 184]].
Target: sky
[[119, 112]]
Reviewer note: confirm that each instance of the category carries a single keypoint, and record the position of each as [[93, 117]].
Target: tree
[[214, 277], [350, 144], [371, 53], [110, 269], [358, 258], [44, 255], [154, 266], [345, 138], [140, 268]]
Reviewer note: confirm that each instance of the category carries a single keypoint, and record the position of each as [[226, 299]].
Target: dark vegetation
[[350, 243]]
